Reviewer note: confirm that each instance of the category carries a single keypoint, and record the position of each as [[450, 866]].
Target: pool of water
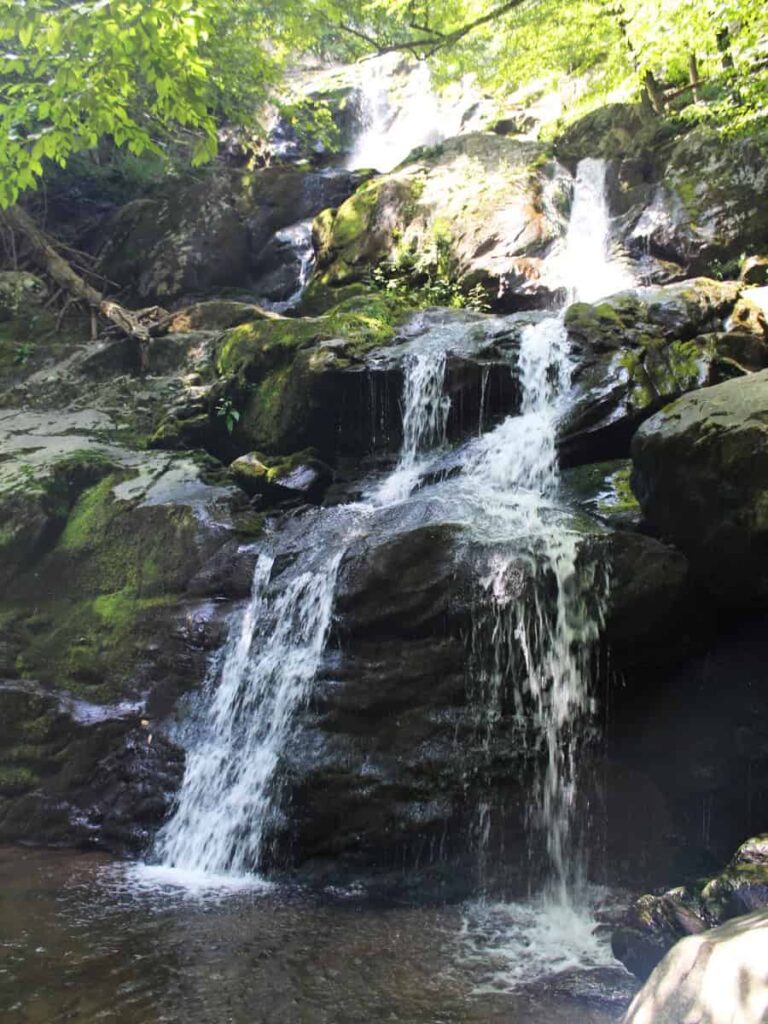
[[86, 939]]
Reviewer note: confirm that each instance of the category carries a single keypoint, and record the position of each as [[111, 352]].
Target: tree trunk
[[654, 92], [693, 75]]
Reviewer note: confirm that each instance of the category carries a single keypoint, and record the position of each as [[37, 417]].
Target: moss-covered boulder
[[476, 210], [641, 349], [636, 317], [292, 383], [701, 476]]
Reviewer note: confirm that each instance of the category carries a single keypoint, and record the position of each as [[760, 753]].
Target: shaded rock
[[80, 774], [648, 584], [708, 206], [192, 239], [701, 476], [754, 270], [715, 977]]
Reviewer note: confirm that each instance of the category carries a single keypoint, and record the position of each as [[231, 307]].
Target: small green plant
[[226, 410], [22, 353]]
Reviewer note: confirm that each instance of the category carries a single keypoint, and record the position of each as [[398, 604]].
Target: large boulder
[[475, 210], [717, 977], [701, 476], [640, 349]]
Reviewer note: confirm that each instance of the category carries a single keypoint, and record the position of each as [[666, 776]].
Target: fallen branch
[[43, 252]]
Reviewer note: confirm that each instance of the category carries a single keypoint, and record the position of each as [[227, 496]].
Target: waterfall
[[425, 415], [539, 611], [588, 268], [394, 126], [229, 789]]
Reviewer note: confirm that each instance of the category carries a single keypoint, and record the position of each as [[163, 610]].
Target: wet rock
[[649, 583], [714, 977], [603, 490], [701, 474], [80, 774], [215, 315]]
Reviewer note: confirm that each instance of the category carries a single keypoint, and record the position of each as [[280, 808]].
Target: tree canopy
[[143, 71]]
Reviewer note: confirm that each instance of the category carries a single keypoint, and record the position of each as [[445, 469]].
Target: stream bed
[[84, 938]]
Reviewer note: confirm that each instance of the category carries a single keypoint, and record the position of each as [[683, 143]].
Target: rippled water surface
[[83, 939]]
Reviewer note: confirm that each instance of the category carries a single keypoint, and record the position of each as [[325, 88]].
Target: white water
[[394, 125], [228, 793], [425, 415], [299, 238], [588, 267]]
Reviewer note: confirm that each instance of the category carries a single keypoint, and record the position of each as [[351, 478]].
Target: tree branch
[[428, 44]]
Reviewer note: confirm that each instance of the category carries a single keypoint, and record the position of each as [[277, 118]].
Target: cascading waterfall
[[228, 793], [506, 494]]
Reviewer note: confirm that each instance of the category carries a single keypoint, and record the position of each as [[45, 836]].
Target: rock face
[[191, 240], [478, 210], [717, 977], [701, 476]]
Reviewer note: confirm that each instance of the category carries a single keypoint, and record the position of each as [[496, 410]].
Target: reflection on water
[[83, 939]]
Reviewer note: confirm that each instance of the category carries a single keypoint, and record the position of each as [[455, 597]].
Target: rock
[[748, 318], [299, 476], [641, 349], [631, 318], [718, 977], [754, 270], [193, 239], [215, 315], [653, 924], [18, 291], [493, 225], [648, 585], [707, 207], [701, 477], [76, 773]]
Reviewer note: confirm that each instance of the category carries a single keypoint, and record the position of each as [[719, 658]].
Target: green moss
[[16, 779]]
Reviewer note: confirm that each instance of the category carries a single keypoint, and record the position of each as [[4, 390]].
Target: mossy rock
[[274, 370], [301, 475]]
